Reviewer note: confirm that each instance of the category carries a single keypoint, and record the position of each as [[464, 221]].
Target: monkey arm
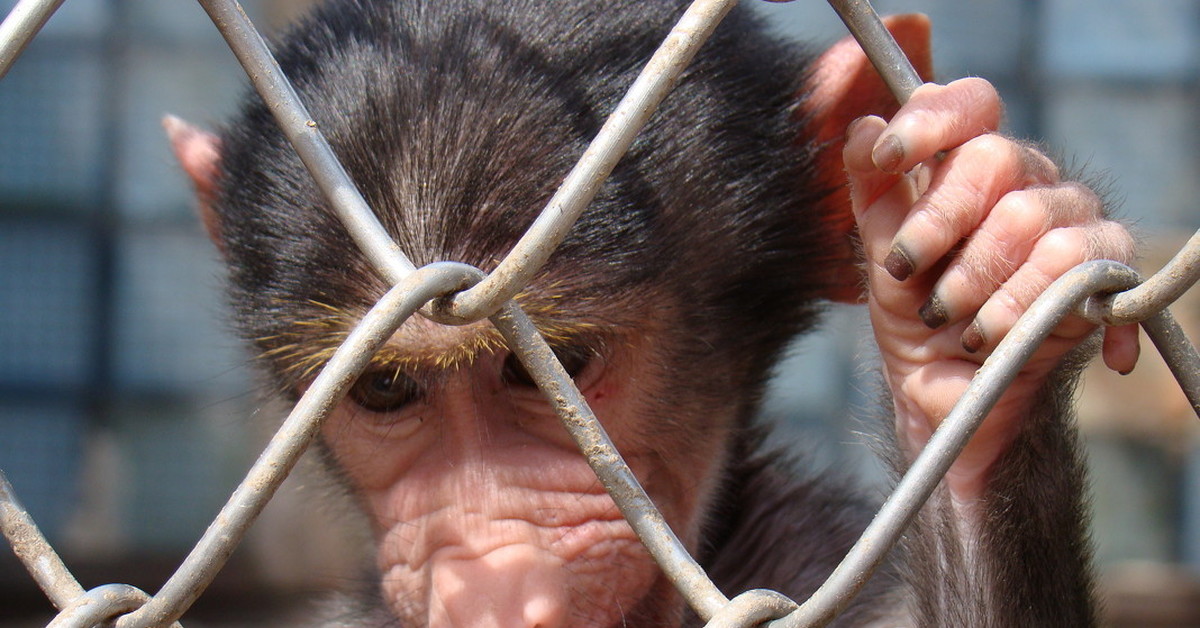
[[962, 229]]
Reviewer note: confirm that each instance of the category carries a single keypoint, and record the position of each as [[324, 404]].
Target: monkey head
[[669, 302]]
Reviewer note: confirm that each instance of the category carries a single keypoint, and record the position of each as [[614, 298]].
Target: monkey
[[772, 180]]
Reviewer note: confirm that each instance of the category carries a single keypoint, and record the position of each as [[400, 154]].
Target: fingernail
[[853, 126], [888, 154], [898, 263], [933, 312], [972, 339], [1125, 372]]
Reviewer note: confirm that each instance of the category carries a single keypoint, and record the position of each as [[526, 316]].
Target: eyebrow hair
[[299, 352]]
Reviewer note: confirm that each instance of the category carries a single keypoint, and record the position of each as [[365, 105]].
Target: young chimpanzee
[[712, 245]]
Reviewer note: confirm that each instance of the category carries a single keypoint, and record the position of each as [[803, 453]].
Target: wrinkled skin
[[1021, 226], [484, 510], [485, 514]]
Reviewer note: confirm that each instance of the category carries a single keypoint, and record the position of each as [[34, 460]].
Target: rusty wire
[[1105, 292]]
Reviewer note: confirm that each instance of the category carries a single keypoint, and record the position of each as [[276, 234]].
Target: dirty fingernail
[[888, 154], [972, 339], [933, 313], [898, 263]]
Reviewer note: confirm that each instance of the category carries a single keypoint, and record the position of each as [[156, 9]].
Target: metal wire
[[1101, 291], [656, 80], [24, 21], [881, 48], [301, 130], [292, 438], [572, 409], [1153, 296], [753, 608], [34, 551], [100, 605], [1179, 353], [993, 378]]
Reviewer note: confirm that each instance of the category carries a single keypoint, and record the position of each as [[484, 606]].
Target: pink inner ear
[[197, 150], [199, 153], [834, 73], [843, 87]]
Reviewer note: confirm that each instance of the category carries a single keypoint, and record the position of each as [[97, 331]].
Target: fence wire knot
[[753, 608], [457, 294], [102, 604]]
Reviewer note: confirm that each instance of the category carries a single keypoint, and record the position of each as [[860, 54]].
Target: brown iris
[[384, 390]]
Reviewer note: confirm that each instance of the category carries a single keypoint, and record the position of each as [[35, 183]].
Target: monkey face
[[457, 122], [484, 511]]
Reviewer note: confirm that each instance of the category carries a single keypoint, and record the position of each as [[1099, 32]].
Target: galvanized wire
[[559, 389], [293, 437], [463, 294], [752, 608], [992, 379], [656, 80], [881, 48], [301, 130], [23, 22], [1178, 352], [100, 606], [34, 551], [1159, 291]]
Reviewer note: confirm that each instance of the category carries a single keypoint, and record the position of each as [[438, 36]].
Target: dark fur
[[458, 124], [1033, 565], [458, 119]]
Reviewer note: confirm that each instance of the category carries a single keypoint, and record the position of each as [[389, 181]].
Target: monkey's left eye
[[384, 390], [575, 359]]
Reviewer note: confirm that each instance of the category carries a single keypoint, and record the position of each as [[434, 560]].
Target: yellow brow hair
[[300, 352]]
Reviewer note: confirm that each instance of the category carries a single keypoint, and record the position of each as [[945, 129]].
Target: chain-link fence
[[1104, 292]]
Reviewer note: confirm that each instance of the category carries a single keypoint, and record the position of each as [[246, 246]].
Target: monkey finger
[[937, 118], [1002, 244], [963, 190], [1121, 348], [866, 181], [880, 201], [1055, 253]]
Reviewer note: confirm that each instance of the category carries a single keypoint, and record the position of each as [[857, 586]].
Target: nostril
[[545, 600], [545, 612]]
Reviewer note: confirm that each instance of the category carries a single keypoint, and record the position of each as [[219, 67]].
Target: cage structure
[[1106, 293]]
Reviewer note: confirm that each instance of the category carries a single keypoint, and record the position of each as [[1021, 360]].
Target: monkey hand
[[962, 229]]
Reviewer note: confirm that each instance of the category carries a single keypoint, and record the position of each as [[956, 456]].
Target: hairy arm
[[962, 229]]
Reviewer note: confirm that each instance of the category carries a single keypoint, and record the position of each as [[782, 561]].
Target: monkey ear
[[843, 87], [199, 152]]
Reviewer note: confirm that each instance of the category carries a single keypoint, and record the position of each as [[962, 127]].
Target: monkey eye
[[574, 358], [384, 390]]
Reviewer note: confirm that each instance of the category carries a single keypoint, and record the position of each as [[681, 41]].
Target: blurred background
[[127, 413]]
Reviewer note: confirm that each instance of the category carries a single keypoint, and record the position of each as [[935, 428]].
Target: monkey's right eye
[[384, 390]]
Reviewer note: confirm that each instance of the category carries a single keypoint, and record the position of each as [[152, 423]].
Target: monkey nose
[[514, 586]]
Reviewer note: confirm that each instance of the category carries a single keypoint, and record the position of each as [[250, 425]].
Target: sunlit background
[[127, 413]]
